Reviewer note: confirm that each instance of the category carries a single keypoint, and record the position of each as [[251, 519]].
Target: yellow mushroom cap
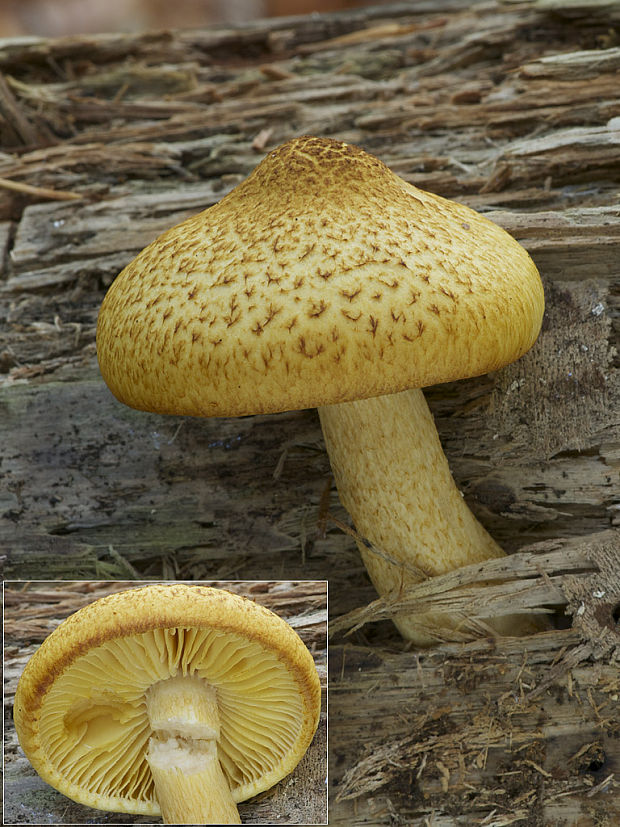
[[321, 278], [80, 709]]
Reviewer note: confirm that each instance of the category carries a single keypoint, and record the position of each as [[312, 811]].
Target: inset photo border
[[92, 612]]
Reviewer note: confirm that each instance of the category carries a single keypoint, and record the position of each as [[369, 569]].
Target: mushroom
[[168, 699], [325, 280]]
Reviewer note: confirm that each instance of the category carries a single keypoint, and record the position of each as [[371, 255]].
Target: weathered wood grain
[[511, 108]]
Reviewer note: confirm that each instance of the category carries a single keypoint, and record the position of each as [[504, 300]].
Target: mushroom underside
[[101, 700]]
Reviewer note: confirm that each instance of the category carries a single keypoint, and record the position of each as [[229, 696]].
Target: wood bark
[[512, 108]]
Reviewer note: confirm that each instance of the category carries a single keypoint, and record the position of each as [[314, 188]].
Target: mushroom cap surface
[[80, 710], [321, 278]]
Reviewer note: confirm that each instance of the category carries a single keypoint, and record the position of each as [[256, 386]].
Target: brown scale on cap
[[234, 310]]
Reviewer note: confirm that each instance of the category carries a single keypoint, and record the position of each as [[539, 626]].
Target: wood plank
[[511, 108]]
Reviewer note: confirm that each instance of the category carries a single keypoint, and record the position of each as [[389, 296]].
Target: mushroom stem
[[190, 785], [393, 478]]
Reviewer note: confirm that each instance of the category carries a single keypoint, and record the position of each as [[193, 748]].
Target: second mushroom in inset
[[177, 700]]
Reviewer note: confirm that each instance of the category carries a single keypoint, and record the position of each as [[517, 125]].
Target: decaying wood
[[512, 108], [519, 583], [482, 745], [34, 609]]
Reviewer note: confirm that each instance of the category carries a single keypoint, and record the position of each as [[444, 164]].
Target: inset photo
[[165, 702]]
